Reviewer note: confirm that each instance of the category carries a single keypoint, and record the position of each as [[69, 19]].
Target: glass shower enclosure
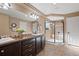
[[54, 31]]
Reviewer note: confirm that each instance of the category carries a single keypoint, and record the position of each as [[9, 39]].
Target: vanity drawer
[[28, 46], [28, 51], [27, 42]]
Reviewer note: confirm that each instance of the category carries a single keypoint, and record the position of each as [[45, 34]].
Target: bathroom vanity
[[26, 46]]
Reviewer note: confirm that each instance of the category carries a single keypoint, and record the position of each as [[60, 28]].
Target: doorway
[[54, 31]]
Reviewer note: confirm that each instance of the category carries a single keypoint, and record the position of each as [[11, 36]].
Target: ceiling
[[17, 14], [55, 18], [56, 8]]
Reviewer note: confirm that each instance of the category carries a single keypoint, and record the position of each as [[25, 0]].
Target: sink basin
[[5, 40], [37, 34]]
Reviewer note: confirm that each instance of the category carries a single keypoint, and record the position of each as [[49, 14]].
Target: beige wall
[[9, 20], [4, 24]]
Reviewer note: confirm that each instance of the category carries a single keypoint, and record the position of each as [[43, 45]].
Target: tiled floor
[[56, 40], [59, 50]]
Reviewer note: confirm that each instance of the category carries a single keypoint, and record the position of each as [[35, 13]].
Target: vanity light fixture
[[34, 16]]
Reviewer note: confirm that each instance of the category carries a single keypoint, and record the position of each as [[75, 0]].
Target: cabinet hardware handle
[[2, 51]]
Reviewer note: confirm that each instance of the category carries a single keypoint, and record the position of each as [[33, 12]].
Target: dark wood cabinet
[[33, 46], [38, 44], [10, 50], [28, 47], [43, 41]]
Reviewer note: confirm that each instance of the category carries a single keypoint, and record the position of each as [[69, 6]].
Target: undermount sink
[[5, 40], [37, 34]]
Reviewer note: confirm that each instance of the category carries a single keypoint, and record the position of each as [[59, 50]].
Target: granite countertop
[[18, 39]]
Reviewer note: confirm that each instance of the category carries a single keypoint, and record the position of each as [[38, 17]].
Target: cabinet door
[[43, 41], [10, 50], [38, 44], [28, 47]]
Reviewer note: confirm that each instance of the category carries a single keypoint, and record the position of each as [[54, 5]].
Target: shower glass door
[[54, 31], [59, 32]]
